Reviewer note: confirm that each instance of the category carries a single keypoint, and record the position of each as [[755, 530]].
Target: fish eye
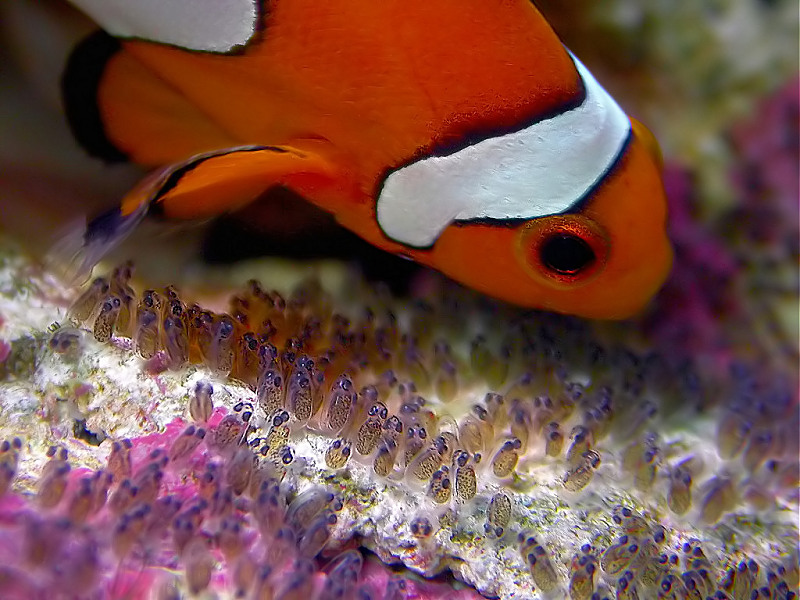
[[566, 250], [566, 254]]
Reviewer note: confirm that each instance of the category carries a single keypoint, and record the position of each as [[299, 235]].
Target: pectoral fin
[[216, 182], [204, 186]]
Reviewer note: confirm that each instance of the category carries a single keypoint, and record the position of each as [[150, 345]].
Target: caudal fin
[[81, 245]]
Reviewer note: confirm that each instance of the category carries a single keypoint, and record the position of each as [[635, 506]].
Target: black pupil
[[565, 253]]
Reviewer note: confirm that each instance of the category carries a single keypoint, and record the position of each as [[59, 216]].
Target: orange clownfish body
[[458, 133]]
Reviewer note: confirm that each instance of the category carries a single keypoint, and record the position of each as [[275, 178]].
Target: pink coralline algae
[[766, 172], [5, 347], [702, 286], [179, 504], [5, 350], [727, 272]]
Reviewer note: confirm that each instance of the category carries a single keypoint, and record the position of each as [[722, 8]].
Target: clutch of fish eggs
[[232, 511], [356, 383]]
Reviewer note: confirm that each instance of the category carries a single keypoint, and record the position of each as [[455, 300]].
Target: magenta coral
[[701, 287], [161, 507], [766, 170]]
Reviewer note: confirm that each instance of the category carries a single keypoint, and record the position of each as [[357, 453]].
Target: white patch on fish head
[[543, 169], [203, 25]]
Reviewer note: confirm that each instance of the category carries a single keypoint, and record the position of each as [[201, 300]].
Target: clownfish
[[460, 134]]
